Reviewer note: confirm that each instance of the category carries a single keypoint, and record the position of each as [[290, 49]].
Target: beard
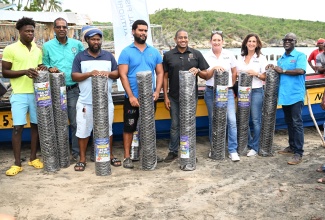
[[93, 49], [139, 40]]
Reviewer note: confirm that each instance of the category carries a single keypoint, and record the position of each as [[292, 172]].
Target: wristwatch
[[198, 70], [284, 71], [258, 75]]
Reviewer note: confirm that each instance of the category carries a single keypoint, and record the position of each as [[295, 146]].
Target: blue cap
[[89, 31]]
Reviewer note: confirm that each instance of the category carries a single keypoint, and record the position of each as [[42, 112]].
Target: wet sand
[[254, 188]]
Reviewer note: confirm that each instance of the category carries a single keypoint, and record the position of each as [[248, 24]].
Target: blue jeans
[[174, 128], [72, 98], [256, 117], [293, 118], [231, 117]]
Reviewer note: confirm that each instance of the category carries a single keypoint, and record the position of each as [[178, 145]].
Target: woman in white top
[[254, 62], [222, 60]]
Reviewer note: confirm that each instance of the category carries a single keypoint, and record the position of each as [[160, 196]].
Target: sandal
[[127, 163], [321, 168], [116, 162], [36, 164], [14, 170], [321, 180], [80, 166]]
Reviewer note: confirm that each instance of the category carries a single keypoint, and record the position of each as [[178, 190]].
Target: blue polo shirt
[[292, 88], [61, 56], [84, 63], [139, 61]]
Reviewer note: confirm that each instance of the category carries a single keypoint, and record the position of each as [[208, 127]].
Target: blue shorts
[[20, 105]]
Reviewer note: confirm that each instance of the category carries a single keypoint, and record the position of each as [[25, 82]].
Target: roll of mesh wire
[[147, 128], [60, 113], [45, 119], [187, 110], [219, 119], [100, 128], [269, 113], [243, 111]]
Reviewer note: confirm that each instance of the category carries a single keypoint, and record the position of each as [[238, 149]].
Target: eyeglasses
[[288, 39], [61, 27], [216, 32]]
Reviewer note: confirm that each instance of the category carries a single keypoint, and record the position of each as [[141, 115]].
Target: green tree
[[54, 5]]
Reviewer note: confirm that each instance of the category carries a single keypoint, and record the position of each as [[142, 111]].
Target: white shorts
[[85, 119]]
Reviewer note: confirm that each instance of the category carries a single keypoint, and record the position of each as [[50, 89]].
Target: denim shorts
[[20, 105]]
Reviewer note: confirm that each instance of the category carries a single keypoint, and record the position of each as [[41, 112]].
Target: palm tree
[[54, 5]]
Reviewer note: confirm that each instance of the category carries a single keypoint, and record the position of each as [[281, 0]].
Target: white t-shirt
[[257, 64], [227, 60]]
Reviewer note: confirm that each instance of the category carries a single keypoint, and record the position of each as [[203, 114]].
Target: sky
[[100, 10]]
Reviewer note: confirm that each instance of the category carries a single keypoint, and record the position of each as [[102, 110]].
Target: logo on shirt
[[74, 50], [293, 61]]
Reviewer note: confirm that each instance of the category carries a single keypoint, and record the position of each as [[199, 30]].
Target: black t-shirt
[[174, 61]]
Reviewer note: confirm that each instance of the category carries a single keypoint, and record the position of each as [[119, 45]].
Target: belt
[[211, 87], [71, 87]]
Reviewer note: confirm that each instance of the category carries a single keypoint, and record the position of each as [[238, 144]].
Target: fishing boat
[[315, 84]]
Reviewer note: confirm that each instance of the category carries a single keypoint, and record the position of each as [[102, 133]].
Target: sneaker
[[127, 163], [286, 150], [234, 157], [251, 153], [297, 158], [170, 157]]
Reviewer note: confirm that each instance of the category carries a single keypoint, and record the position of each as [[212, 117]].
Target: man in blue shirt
[[292, 68], [58, 55], [135, 58]]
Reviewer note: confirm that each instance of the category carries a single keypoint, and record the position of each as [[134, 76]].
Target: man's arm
[[159, 80], [165, 90], [234, 75], [8, 73], [123, 70]]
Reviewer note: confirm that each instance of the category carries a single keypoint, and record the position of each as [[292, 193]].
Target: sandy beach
[[254, 188]]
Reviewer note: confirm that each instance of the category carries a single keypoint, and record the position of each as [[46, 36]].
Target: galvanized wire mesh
[[100, 128], [147, 128], [219, 118], [187, 110], [46, 129], [243, 111], [269, 113], [60, 113]]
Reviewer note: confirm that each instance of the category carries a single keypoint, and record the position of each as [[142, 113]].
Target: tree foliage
[[199, 25], [36, 5]]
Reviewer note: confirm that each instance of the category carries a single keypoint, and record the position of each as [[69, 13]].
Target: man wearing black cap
[[58, 55], [92, 62]]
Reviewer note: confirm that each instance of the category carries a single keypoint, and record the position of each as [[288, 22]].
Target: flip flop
[[14, 170], [116, 162], [321, 168], [321, 180], [80, 166], [36, 164]]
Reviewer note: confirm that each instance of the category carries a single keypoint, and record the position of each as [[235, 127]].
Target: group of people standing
[[63, 54]]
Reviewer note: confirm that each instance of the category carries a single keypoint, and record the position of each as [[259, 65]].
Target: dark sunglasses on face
[[61, 27], [288, 39]]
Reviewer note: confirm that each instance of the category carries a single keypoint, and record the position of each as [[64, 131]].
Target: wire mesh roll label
[[221, 96], [102, 149], [244, 93], [63, 97], [43, 94], [185, 147]]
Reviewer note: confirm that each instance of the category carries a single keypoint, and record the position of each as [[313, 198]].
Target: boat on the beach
[[315, 84]]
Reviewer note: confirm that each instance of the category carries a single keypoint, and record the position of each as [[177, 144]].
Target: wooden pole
[[312, 116]]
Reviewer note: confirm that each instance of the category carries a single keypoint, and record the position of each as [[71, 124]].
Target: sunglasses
[[288, 39], [216, 32], [61, 27]]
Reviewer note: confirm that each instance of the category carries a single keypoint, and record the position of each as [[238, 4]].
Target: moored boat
[[315, 84]]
